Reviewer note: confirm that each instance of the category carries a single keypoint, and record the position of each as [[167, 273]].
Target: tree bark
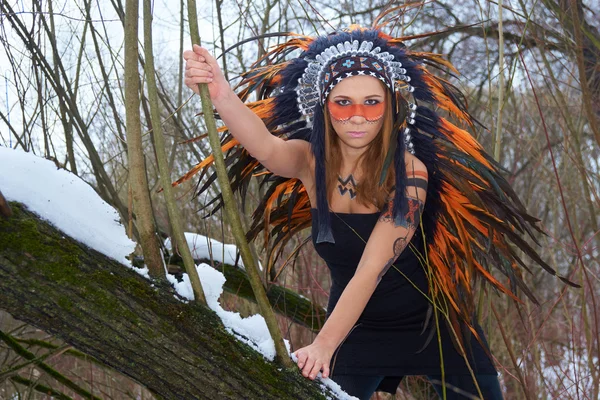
[[138, 181], [231, 212], [177, 350]]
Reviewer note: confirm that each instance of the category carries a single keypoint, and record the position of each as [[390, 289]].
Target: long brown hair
[[368, 191]]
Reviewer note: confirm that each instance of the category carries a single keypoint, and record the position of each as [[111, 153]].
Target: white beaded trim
[[308, 90]]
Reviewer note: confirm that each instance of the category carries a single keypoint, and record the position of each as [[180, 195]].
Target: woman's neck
[[350, 158]]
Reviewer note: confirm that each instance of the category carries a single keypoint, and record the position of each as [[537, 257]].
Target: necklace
[[347, 185]]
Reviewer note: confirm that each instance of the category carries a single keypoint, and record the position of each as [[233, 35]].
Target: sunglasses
[[342, 113]]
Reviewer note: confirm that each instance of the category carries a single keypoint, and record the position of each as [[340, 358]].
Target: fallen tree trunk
[[177, 350]]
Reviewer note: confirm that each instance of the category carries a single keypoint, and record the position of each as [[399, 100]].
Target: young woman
[[401, 202]]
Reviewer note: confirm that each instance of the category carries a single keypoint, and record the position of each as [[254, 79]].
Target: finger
[[197, 79], [193, 64], [325, 371], [197, 49], [308, 367], [198, 72], [190, 55], [315, 370], [192, 82], [301, 359], [207, 56]]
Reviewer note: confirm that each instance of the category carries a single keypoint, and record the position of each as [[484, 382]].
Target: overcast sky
[[68, 19]]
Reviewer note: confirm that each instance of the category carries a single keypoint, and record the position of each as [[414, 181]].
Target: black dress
[[388, 337]]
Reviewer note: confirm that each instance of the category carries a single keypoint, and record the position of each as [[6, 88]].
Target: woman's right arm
[[286, 158]]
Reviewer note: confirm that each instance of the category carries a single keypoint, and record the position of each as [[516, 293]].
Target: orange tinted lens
[[344, 113], [373, 112]]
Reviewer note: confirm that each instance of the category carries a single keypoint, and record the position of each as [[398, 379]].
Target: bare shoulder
[[413, 164]]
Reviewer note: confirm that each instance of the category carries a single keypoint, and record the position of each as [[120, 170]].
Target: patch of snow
[[142, 271], [251, 330], [183, 288], [335, 388], [204, 247], [64, 200], [328, 383]]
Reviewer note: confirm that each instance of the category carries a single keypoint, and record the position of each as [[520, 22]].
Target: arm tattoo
[[410, 220], [399, 246], [420, 183]]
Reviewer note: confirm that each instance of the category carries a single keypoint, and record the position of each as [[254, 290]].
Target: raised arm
[[287, 158], [387, 241]]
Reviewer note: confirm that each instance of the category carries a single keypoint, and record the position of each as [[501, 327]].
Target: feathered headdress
[[473, 221]]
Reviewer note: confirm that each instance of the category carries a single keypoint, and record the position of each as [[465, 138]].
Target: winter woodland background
[[537, 92]]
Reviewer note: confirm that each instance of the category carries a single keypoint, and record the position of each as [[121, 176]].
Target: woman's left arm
[[387, 241]]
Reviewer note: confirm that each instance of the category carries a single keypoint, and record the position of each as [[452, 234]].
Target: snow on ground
[[72, 205], [204, 247], [65, 201]]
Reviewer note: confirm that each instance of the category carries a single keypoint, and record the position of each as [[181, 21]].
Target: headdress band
[[344, 60]]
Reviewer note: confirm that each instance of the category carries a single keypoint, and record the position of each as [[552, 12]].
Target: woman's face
[[357, 106]]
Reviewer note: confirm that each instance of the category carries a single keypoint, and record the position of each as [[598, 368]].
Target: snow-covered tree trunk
[[177, 350]]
